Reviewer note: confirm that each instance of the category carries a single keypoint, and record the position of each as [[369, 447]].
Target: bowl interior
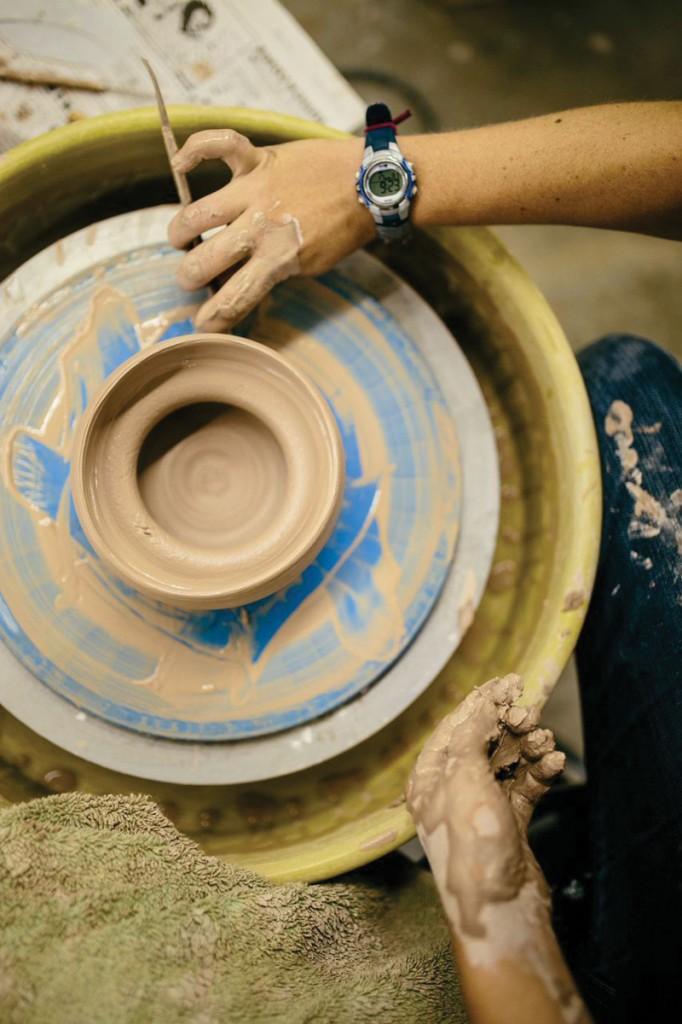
[[208, 471]]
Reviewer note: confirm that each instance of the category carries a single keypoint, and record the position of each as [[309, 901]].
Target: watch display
[[386, 182]]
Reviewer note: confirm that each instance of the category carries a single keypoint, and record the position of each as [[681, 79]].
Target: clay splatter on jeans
[[650, 517]]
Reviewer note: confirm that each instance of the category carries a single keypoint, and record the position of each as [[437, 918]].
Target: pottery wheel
[[403, 396]]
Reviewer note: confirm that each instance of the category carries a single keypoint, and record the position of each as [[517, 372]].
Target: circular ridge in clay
[[208, 472]]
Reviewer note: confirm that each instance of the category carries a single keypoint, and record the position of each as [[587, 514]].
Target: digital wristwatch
[[386, 182]]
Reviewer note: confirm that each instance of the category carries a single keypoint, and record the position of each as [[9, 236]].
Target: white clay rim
[[233, 511]]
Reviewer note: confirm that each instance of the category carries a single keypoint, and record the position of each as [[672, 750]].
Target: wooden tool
[[169, 141], [180, 179]]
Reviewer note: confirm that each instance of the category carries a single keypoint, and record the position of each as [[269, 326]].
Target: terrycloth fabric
[[108, 914]]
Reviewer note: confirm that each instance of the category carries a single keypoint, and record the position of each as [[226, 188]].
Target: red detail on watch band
[[392, 123]]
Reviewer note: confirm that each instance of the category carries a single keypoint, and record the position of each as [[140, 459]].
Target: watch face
[[386, 183]]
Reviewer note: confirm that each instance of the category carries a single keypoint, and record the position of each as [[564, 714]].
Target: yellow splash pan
[[350, 810]]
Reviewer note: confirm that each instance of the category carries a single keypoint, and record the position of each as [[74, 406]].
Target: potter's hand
[[472, 794], [483, 821], [288, 209]]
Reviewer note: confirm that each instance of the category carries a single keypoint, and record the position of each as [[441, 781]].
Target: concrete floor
[[459, 64]]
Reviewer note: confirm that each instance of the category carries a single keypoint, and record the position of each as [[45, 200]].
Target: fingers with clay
[[258, 247], [274, 248], [240, 155], [219, 253], [212, 211]]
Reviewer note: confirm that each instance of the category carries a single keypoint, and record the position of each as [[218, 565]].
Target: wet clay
[[650, 518], [264, 245], [239, 506], [272, 241], [153, 650], [224, 477], [574, 599], [449, 786], [473, 829]]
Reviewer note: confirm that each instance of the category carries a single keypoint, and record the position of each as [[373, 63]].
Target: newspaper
[[248, 53]]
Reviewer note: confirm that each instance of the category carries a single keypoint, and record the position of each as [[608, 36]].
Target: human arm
[[292, 208], [616, 166], [474, 831]]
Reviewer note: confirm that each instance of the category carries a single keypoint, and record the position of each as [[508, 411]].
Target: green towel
[[108, 914]]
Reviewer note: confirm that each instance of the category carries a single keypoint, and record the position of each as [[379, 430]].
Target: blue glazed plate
[[279, 662]]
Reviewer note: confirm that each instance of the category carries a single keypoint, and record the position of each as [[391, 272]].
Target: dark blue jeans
[[629, 964]]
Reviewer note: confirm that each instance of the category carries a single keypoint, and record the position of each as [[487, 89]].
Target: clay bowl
[[208, 472]]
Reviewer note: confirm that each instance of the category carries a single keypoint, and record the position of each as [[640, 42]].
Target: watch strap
[[380, 134], [379, 127], [390, 227]]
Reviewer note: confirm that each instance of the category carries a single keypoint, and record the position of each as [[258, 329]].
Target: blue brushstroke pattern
[[269, 615], [117, 341], [213, 629], [39, 473], [177, 329], [43, 474]]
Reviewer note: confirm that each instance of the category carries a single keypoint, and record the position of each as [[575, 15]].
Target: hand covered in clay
[[472, 825], [288, 209]]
